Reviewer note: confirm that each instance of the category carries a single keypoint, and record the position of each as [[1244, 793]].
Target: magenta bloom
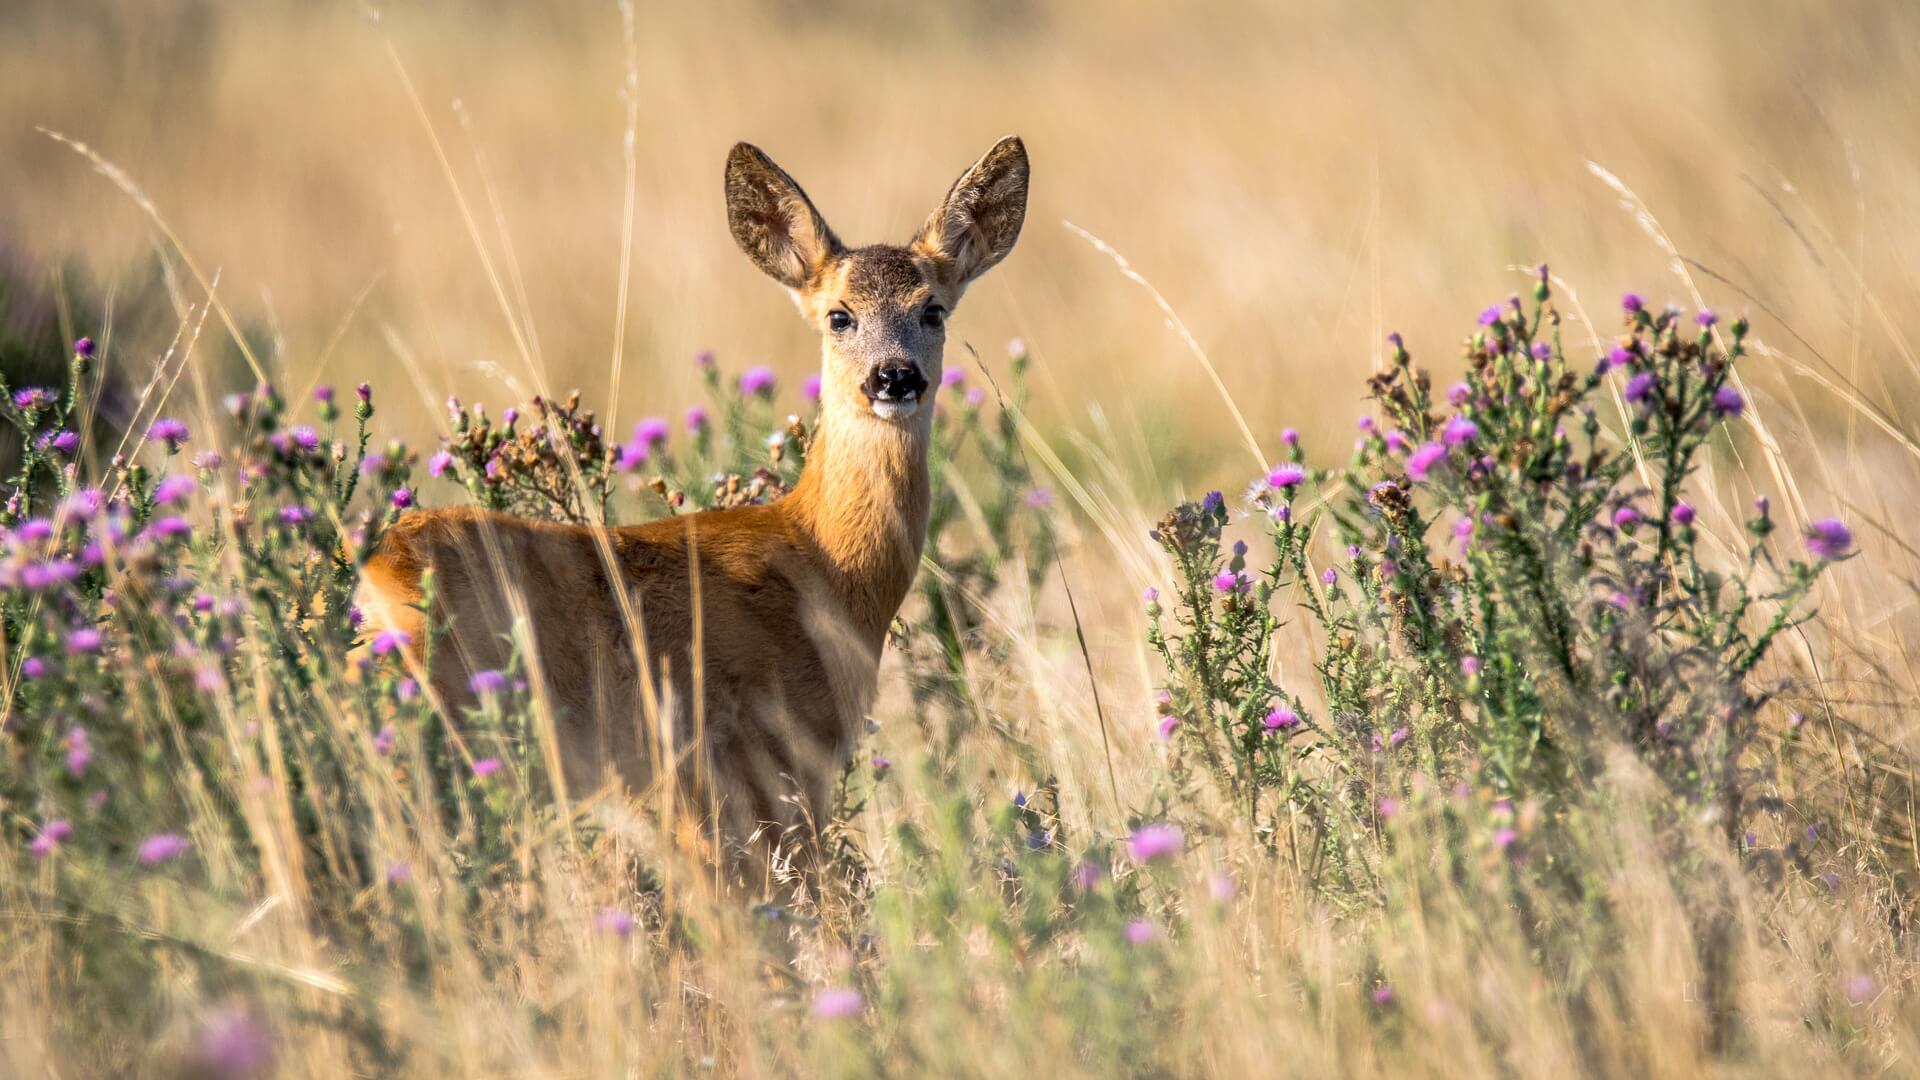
[[1168, 725], [233, 1044], [438, 464], [1282, 719], [295, 515], [613, 921], [402, 498], [1641, 387], [838, 1003], [1727, 402], [305, 438], [66, 442], [1157, 841], [1039, 498], [1329, 576], [1290, 436], [1626, 518], [487, 682], [1504, 836], [696, 420], [87, 639], [52, 835], [1229, 582], [487, 766], [83, 347], [34, 397], [1490, 316], [652, 431], [757, 381], [1619, 357], [1383, 996], [1542, 351], [1469, 666], [383, 740], [169, 431], [1399, 735], [1421, 461], [1458, 393], [174, 489], [1286, 476], [1682, 514], [1829, 538], [1460, 430], [1141, 931], [1706, 318], [1632, 303], [391, 641], [163, 847]]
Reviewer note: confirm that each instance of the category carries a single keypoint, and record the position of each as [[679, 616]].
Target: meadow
[[1345, 644]]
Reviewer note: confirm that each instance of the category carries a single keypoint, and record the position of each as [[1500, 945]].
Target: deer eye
[[934, 317], [839, 322]]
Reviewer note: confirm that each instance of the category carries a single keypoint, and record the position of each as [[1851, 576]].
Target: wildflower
[[323, 394], [696, 420], [810, 389], [169, 431], [1151, 595], [399, 873], [233, 1044], [1290, 437], [1682, 514], [1706, 318], [1329, 576], [1399, 735], [1460, 430], [407, 689], [1491, 316], [86, 639], [1458, 393], [1230, 583], [1761, 504], [438, 464], [610, 920], [1504, 837], [757, 381], [1641, 386], [1141, 931], [209, 460], [1727, 402], [1366, 425], [1154, 842], [953, 376], [487, 682], [881, 763], [1286, 476], [1167, 726], [1281, 719], [975, 395], [1222, 887], [1213, 502], [1086, 876], [79, 752], [65, 442], [84, 503], [295, 515], [1470, 665], [1383, 996], [1860, 989], [1631, 303], [33, 397], [1829, 538], [1039, 498], [838, 1003], [52, 835], [163, 847], [1626, 518], [364, 393], [83, 347], [33, 668], [703, 359], [391, 641], [174, 489], [168, 528], [1424, 459], [487, 766], [1397, 442], [1542, 351], [305, 438]]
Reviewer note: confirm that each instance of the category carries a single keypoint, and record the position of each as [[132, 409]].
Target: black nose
[[895, 380]]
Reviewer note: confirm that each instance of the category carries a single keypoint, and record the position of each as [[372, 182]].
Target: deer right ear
[[773, 221]]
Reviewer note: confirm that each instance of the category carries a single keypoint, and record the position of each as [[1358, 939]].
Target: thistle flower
[[1641, 387], [1167, 726], [65, 442], [757, 381], [1141, 931], [487, 766], [86, 639], [323, 394], [1727, 402], [1542, 351], [810, 388], [1626, 518], [1682, 514], [953, 376], [52, 835], [295, 515], [1421, 461], [703, 359], [1039, 498], [1086, 876], [1504, 837], [487, 682], [1281, 719], [652, 430], [1459, 431], [169, 431], [838, 1003], [83, 348], [391, 641], [162, 848], [1230, 583], [209, 460], [1399, 735], [232, 1044], [34, 397], [1829, 538], [1157, 841], [1286, 476], [1491, 316], [1329, 576], [610, 920], [696, 420], [439, 463], [364, 393], [1469, 665], [383, 739], [1706, 318], [1631, 303], [174, 489], [1150, 594], [79, 752], [1458, 393]]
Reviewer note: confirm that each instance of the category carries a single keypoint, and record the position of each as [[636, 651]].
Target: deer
[[733, 654]]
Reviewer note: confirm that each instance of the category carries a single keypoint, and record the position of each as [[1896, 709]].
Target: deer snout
[[894, 387]]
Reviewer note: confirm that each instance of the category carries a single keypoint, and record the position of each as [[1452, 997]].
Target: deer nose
[[895, 380]]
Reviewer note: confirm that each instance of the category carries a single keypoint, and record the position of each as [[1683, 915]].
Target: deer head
[[881, 310]]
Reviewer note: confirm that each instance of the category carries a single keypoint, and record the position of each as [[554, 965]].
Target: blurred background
[[1296, 179]]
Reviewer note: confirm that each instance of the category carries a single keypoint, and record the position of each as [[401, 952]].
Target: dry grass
[[1296, 181]]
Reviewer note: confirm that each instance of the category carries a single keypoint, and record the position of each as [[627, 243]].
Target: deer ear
[[979, 221], [773, 221]]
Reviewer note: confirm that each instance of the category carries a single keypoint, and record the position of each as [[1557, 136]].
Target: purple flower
[[364, 392], [1157, 841], [1458, 393], [1329, 576], [1282, 719], [372, 464], [1141, 931], [1632, 303], [1727, 402], [1213, 502], [1460, 430], [1397, 442], [611, 920], [703, 359], [33, 668], [399, 873], [953, 376], [384, 738], [1086, 876], [79, 752], [1289, 436], [1399, 735], [233, 1044], [174, 489], [52, 835], [1039, 498], [323, 394], [696, 419], [168, 528], [757, 381], [1829, 538], [487, 682], [83, 347], [438, 464], [391, 641], [1641, 386], [652, 430], [65, 442], [295, 515], [86, 639], [1542, 351], [1504, 836], [1151, 595], [34, 397], [1626, 518], [838, 1003], [510, 417], [1383, 996], [1682, 514], [402, 498], [1706, 318], [1424, 459], [305, 438], [487, 766], [1168, 725], [1469, 666], [163, 847], [882, 763], [1229, 582], [1490, 316], [1286, 476], [208, 459], [169, 431]]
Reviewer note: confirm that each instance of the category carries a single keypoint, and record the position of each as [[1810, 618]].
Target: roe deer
[[784, 608]]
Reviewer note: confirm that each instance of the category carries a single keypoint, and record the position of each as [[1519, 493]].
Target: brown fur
[[793, 599]]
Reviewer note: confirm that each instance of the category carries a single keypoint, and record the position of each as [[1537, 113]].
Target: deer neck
[[863, 499]]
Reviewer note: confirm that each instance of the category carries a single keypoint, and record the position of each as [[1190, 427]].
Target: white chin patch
[[896, 410]]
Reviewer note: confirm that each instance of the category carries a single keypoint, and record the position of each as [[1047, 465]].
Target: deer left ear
[[978, 223]]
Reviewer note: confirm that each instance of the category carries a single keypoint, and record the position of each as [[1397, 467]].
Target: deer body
[[739, 648]]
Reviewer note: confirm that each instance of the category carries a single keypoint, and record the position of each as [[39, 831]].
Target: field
[[1579, 738]]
